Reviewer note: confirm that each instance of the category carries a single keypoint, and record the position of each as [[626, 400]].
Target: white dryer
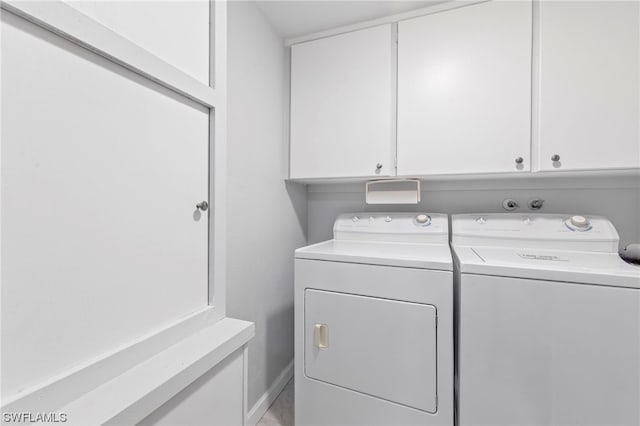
[[549, 322], [374, 323]]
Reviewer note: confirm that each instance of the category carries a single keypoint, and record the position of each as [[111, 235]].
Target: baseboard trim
[[267, 398]]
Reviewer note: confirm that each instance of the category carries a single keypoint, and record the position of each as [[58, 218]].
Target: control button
[[387, 219], [355, 218], [579, 221], [481, 220], [423, 219]]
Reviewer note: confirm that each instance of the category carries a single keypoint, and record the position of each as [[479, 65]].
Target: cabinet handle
[[555, 157], [519, 160], [379, 166]]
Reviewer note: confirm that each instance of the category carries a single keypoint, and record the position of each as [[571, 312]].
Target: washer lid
[[410, 255], [549, 265]]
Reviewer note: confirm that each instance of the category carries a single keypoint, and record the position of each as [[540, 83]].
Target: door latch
[[321, 336]]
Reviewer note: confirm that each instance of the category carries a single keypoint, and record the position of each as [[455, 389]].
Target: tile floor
[[281, 411]]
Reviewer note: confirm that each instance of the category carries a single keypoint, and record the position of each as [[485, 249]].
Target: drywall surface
[[616, 198], [164, 28], [266, 216]]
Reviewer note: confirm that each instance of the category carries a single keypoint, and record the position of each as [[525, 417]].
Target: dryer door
[[379, 347]]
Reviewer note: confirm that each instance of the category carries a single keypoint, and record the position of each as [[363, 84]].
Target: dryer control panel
[[562, 232], [416, 227]]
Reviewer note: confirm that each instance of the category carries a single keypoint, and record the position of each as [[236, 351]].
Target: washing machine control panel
[[393, 227], [570, 232]]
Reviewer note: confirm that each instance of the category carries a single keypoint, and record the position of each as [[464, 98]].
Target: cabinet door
[[464, 90], [589, 105], [341, 106], [101, 172]]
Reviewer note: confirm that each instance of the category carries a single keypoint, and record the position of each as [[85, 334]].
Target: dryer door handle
[[321, 336]]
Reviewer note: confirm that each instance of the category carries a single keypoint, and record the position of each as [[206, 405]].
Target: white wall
[[617, 198], [164, 28], [266, 216]]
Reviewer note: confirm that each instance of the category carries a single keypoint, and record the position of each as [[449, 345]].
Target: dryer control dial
[[422, 219], [578, 223]]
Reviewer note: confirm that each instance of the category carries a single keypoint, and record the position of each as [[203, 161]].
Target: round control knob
[[481, 220], [579, 221], [555, 158], [423, 219], [387, 219], [519, 160], [355, 218]]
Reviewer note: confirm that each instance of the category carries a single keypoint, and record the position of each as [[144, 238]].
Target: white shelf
[[190, 349]]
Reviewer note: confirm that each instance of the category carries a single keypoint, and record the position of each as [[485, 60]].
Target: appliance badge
[[542, 257]]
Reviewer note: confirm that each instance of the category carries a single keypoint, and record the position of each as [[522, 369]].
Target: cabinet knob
[[555, 157], [379, 166], [204, 206], [519, 160]]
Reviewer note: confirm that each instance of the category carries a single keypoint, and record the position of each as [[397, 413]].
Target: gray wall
[[266, 216], [617, 198]]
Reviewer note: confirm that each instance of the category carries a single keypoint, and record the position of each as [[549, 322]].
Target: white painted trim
[[134, 395], [440, 7], [245, 385], [140, 389], [535, 182], [65, 21], [74, 383], [265, 401], [218, 162], [512, 178]]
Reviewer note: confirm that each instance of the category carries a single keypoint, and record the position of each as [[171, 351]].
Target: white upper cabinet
[[464, 90], [342, 108], [589, 85]]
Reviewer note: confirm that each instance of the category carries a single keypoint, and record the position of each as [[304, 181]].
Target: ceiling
[[292, 18]]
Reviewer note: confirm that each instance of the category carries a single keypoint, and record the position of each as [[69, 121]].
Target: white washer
[[374, 323], [549, 322]]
